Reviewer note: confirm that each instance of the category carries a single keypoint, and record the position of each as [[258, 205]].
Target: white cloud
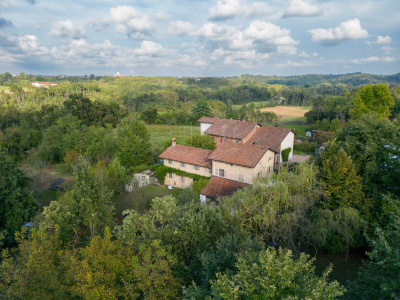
[[296, 64], [300, 8], [29, 44], [348, 30], [129, 21], [304, 54], [181, 28], [225, 9], [373, 59], [386, 49], [383, 40], [257, 9], [67, 29], [149, 48], [270, 35]]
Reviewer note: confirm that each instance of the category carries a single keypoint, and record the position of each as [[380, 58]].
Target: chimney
[[173, 142]]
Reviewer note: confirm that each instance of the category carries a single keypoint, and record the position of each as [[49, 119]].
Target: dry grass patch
[[287, 112]]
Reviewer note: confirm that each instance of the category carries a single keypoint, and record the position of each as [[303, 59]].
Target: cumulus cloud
[[348, 30], [386, 49], [67, 29], [181, 28], [271, 36], [29, 44], [373, 59], [257, 9], [33, 2], [149, 48], [225, 9], [228, 9], [129, 21], [5, 23], [383, 40], [300, 8]]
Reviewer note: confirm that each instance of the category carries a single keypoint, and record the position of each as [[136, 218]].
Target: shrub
[[285, 154]]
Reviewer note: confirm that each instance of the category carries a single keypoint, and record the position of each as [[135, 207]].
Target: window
[[221, 173], [241, 177], [183, 165], [269, 169], [197, 168], [210, 171], [170, 175], [170, 161]]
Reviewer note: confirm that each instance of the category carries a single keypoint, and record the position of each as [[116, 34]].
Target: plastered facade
[[203, 171]]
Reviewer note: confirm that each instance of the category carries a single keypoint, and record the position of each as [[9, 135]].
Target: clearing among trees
[[287, 112]]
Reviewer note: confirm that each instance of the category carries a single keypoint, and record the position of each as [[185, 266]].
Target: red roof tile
[[186, 154], [207, 120], [238, 153], [235, 129], [271, 137], [219, 187]]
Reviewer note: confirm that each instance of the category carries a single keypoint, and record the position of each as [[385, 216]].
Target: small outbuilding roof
[[219, 187], [186, 154]]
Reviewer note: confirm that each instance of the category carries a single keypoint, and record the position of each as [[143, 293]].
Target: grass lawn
[[306, 108], [238, 106], [159, 134]]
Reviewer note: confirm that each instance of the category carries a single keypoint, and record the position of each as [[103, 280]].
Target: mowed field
[[286, 113], [159, 134]]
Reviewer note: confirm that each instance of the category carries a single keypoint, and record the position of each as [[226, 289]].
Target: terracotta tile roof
[[219, 187], [271, 137], [235, 129], [207, 120], [186, 154], [238, 153]]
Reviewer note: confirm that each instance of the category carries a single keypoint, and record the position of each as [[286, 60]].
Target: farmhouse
[[245, 150]]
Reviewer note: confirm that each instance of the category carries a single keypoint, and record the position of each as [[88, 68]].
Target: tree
[[379, 277], [134, 142], [16, 203], [373, 98], [339, 180], [200, 141], [374, 147], [275, 274]]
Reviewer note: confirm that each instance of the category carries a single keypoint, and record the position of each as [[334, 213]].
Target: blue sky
[[199, 38]]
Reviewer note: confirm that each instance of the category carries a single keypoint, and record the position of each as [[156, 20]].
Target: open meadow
[[288, 113], [159, 134]]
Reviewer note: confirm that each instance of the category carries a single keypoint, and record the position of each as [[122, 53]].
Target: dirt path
[[287, 112]]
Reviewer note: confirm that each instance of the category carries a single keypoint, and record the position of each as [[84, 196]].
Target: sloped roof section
[[269, 137], [189, 155], [219, 187], [208, 120], [234, 129], [239, 154]]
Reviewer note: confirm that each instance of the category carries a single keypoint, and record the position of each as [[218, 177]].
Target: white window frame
[[223, 173], [183, 165]]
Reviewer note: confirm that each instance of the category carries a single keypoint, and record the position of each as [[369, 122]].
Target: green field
[[238, 106], [159, 134], [4, 88], [307, 107]]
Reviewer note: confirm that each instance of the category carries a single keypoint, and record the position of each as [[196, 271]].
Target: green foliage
[[379, 278], [275, 275], [149, 115], [278, 208], [199, 185], [16, 203], [285, 154], [373, 98], [201, 141], [164, 170], [339, 180], [134, 142], [374, 147]]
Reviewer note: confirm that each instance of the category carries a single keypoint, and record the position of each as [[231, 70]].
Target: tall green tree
[[339, 180], [373, 98], [134, 142], [16, 203]]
